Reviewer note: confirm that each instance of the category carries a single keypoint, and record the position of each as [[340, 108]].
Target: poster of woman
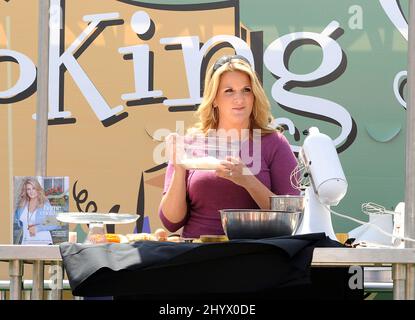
[[37, 200]]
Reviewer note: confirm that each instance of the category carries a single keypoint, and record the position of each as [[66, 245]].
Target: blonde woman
[[233, 102], [31, 213]]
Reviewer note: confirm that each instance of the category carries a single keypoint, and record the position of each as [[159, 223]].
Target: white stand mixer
[[328, 183]]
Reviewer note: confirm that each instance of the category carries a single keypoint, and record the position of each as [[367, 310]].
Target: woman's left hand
[[233, 169]]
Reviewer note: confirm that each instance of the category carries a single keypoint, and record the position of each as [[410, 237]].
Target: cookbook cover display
[[37, 201]]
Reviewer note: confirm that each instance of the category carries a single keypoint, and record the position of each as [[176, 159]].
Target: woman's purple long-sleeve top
[[207, 193]]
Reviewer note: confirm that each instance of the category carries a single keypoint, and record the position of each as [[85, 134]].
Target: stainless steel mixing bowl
[[259, 224]]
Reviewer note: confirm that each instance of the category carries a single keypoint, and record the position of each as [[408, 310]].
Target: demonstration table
[[401, 259]]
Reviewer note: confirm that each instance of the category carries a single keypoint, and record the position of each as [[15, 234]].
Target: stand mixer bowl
[[287, 203]]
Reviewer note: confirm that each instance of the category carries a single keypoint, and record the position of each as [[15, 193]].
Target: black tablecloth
[[273, 267]]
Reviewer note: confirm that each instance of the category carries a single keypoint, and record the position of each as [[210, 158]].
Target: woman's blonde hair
[[208, 116], [23, 198]]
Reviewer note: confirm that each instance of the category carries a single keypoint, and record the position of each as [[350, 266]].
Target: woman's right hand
[[175, 150], [32, 230]]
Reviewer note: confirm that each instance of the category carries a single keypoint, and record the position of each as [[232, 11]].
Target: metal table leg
[[38, 277], [15, 274], [410, 282], [399, 281]]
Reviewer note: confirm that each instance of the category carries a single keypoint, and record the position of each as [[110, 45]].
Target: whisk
[[299, 177], [374, 208]]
